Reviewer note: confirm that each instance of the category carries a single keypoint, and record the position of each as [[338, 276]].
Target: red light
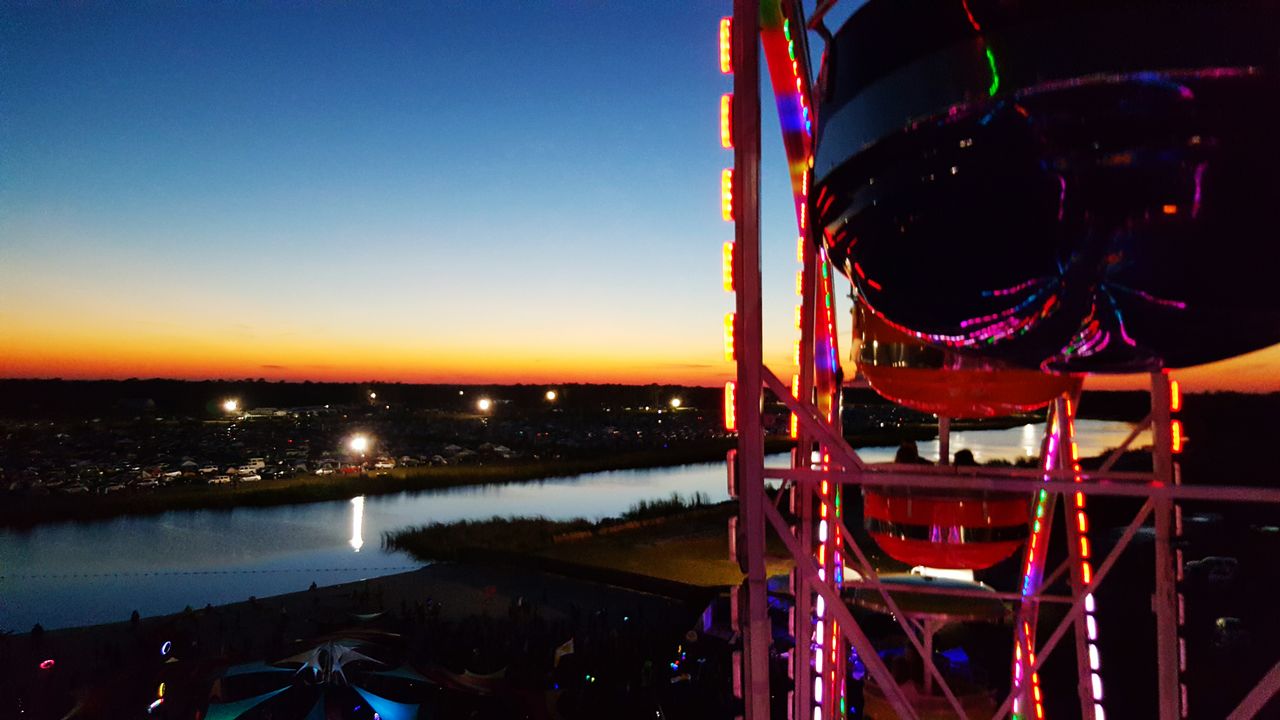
[[1175, 396], [726, 120], [730, 413], [47, 664], [726, 195], [726, 45], [1177, 436]]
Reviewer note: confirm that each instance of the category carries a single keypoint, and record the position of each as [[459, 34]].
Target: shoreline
[[20, 513], [27, 512]]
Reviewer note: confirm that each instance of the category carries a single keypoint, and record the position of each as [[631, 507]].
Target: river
[[68, 574]]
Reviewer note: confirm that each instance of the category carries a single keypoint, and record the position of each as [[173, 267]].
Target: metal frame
[[839, 465]]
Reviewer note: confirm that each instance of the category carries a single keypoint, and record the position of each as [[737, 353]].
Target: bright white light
[[675, 402], [552, 395], [1097, 687], [357, 523], [373, 396], [358, 443], [484, 404], [944, 573], [231, 405]]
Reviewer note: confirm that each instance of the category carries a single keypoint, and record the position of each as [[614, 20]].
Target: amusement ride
[[1020, 193]]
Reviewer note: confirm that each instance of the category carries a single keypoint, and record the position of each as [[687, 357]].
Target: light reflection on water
[[81, 573]]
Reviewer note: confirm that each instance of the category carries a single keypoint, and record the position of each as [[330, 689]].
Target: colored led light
[[726, 120], [726, 195], [1175, 396], [730, 407], [995, 74], [729, 349], [1177, 439], [726, 266], [726, 45]]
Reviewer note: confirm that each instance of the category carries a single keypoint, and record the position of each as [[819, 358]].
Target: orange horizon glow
[[117, 359]]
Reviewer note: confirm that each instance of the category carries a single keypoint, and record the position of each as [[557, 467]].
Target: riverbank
[[673, 541], [28, 511]]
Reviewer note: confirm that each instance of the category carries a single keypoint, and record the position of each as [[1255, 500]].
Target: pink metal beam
[[910, 477], [749, 348], [1077, 607], [835, 604], [1257, 699]]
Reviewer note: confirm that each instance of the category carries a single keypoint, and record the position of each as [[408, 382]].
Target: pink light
[[47, 664]]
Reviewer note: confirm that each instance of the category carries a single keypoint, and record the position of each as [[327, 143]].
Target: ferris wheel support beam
[[1165, 600], [749, 350]]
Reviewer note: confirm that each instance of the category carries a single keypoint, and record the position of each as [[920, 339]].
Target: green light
[[995, 74], [842, 708], [1037, 526], [1043, 494], [786, 29], [1039, 511]]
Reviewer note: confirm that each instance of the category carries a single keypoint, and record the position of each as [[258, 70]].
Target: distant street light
[[373, 396], [359, 443], [551, 396], [675, 403], [484, 404], [231, 405]]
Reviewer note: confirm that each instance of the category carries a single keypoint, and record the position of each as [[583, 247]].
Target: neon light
[[726, 266], [1176, 429], [995, 74], [726, 195], [730, 407], [726, 120], [726, 45]]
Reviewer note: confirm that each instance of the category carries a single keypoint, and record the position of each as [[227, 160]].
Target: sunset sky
[[433, 192]]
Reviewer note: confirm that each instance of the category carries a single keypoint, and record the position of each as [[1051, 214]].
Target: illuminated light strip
[[1176, 441], [726, 120], [1086, 575], [995, 74], [730, 319], [726, 45], [726, 194], [730, 407], [726, 266]]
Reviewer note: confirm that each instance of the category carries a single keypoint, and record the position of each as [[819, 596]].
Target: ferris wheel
[[1019, 194]]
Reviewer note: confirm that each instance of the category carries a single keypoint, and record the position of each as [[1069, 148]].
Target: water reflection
[[76, 573], [357, 522]]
